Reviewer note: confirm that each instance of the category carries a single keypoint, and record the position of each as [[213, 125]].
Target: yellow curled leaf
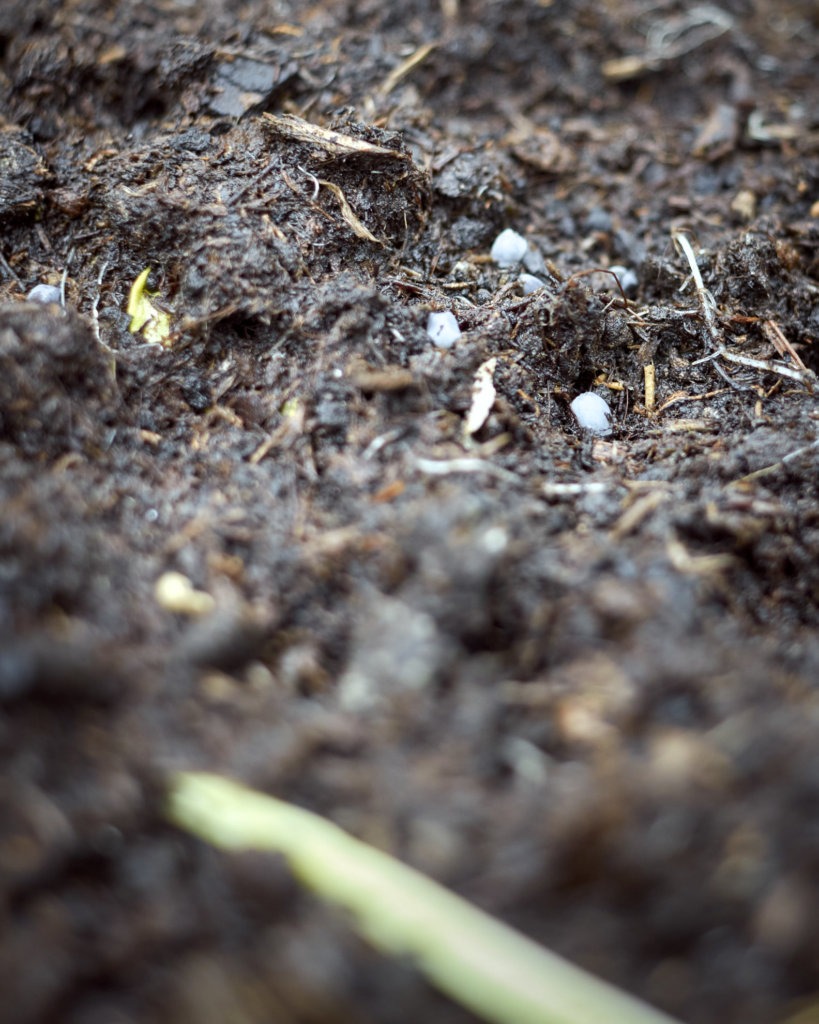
[[153, 322]]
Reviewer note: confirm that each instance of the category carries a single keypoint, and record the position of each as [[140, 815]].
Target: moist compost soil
[[575, 678]]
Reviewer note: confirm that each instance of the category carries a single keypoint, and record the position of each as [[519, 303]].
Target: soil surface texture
[[573, 676]]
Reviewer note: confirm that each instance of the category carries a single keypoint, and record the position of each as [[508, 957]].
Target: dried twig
[[334, 144], [10, 270], [773, 333], [669, 39], [573, 490], [405, 67], [766, 470], [803, 376], [95, 319], [683, 396], [348, 213], [708, 308], [650, 378], [636, 512]]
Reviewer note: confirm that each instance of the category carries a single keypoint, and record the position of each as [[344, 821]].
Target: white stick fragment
[[443, 329], [592, 413], [706, 298], [573, 490], [509, 248], [445, 467], [483, 397]]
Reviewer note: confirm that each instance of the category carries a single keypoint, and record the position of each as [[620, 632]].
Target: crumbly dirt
[[574, 678]]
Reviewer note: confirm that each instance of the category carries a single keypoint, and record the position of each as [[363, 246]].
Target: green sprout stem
[[481, 963]]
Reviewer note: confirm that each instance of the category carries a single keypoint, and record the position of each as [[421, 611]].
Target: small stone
[[508, 248], [443, 329], [243, 84], [598, 219], [744, 204], [592, 413]]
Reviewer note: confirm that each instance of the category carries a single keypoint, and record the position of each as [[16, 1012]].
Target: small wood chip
[[335, 144], [389, 378], [348, 214], [649, 375], [483, 397]]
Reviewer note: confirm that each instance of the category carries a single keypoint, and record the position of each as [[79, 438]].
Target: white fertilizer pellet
[[443, 329], [592, 413], [44, 293], [508, 248], [529, 283], [626, 277]]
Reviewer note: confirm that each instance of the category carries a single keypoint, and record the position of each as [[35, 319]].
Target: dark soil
[[576, 679]]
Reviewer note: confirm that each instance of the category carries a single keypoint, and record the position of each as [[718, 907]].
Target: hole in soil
[[153, 110]]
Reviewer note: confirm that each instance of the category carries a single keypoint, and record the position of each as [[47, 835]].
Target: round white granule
[[626, 277], [508, 248], [47, 294], [592, 413], [443, 329], [529, 283]]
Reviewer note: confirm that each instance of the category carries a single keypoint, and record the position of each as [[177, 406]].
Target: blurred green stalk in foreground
[[481, 963]]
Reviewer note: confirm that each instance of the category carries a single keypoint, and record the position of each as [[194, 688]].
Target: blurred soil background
[[574, 678]]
